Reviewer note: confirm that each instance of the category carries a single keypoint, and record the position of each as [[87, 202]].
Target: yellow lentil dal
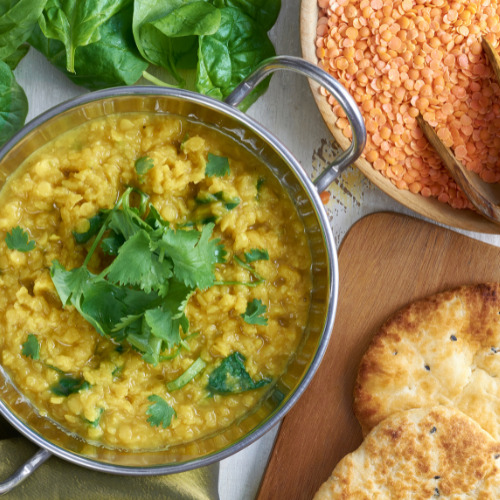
[[68, 181]]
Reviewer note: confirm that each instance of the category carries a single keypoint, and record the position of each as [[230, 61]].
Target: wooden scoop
[[484, 196]]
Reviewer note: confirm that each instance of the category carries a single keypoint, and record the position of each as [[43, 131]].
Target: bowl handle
[[24, 471], [343, 97]]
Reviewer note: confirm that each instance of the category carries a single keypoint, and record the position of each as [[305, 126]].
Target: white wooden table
[[287, 110]]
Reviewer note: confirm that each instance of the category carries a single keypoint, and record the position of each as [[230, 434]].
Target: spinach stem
[[156, 81]]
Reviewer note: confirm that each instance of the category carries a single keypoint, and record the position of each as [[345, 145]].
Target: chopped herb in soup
[[155, 281]]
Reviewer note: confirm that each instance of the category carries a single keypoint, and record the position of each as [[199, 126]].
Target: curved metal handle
[[24, 471], [345, 100]]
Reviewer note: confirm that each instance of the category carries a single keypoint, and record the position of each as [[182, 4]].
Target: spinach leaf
[[112, 61], [264, 12], [231, 377], [17, 20], [13, 104], [15, 58], [76, 23], [166, 32], [231, 54]]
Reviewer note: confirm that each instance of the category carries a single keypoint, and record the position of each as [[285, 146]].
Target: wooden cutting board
[[386, 261]]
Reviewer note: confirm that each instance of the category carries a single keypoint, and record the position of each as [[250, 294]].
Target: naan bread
[[441, 350], [418, 454]]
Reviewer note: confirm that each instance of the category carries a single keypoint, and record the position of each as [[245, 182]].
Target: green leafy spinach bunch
[[204, 45]]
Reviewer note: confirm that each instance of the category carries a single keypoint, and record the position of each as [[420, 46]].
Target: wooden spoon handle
[[492, 56], [460, 174]]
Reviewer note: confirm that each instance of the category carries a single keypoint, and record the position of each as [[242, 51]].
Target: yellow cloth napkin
[[57, 479]]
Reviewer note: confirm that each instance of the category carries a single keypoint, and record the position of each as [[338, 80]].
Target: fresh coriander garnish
[[18, 239], [144, 165], [187, 376], [205, 198], [31, 348], [217, 166], [69, 385], [95, 223], [231, 377], [256, 254], [94, 423], [141, 304], [183, 142], [160, 412], [254, 312], [211, 207], [249, 268]]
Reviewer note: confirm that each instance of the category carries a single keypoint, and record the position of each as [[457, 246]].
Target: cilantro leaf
[[136, 264], [205, 198], [161, 412], [177, 297], [95, 224], [140, 298], [183, 142], [144, 165], [155, 220], [217, 166], [112, 243], [31, 348], [124, 223], [162, 326], [69, 385], [232, 203], [94, 423], [187, 376], [193, 254], [18, 239], [253, 313], [104, 305], [231, 377], [220, 254], [69, 284], [256, 254]]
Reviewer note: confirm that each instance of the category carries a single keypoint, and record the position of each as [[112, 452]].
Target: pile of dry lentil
[[399, 58]]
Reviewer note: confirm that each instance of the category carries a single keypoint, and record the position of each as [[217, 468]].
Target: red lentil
[[399, 57]]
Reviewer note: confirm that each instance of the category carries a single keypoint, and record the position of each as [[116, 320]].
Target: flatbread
[[445, 350], [417, 454]]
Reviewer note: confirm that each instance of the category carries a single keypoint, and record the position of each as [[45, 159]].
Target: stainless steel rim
[[287, 156]]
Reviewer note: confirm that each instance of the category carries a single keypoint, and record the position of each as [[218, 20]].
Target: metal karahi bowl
[[304, 193]]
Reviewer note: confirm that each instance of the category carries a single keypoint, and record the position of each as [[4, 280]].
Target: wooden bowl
[[428, 207]]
